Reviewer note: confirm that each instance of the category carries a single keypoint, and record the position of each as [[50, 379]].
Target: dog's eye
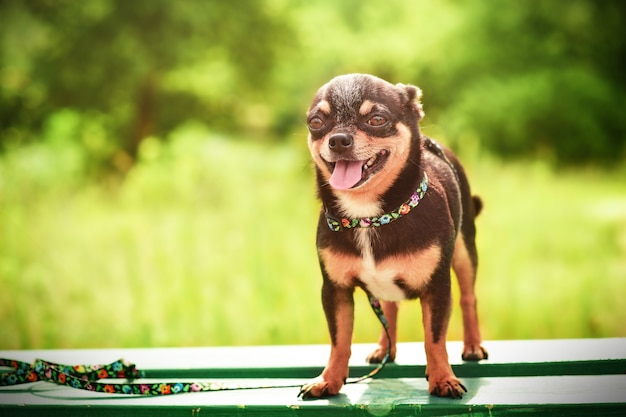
[[316, 123], [377, 121]]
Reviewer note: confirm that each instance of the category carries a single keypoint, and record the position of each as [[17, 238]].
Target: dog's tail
[[478, 205]]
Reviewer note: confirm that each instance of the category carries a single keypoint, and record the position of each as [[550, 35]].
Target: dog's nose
[[340, 142]]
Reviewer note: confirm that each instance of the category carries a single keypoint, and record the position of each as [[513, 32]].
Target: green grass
[[211, 242]]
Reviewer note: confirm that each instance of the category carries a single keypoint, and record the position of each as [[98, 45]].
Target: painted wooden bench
[[557, 377]]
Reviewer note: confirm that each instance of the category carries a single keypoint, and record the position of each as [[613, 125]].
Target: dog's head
[[361, 130]]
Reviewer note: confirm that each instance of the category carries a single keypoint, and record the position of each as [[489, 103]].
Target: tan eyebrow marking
[[366, 107], [324, 107]]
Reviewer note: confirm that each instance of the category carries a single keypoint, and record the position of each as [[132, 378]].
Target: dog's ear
[[411, 96]]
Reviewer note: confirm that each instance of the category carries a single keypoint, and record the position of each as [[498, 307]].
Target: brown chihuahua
[[398, 214]]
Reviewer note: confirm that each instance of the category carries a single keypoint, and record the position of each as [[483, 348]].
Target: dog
[[397, 215]]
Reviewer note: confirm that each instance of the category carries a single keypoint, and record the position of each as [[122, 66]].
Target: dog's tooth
[[374, 158]]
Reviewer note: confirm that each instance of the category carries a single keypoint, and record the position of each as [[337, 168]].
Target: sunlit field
[[210, 241]]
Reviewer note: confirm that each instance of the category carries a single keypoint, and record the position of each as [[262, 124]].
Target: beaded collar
[[337, 224]]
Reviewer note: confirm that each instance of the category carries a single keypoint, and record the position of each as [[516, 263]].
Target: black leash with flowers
[[91, 377]]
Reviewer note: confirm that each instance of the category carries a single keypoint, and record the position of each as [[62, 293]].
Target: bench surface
[[560, 377]]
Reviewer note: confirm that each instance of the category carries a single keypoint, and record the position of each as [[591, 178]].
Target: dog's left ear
[[411, 96]]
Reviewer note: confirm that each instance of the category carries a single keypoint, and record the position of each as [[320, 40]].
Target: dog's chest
[[388, 277]]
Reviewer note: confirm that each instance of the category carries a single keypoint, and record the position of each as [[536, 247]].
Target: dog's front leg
[[436, 306], [338, 305]]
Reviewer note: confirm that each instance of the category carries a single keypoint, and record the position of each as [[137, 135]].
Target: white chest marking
[[380, 278]]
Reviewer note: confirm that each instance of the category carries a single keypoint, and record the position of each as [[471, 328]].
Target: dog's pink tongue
[[346, 174]]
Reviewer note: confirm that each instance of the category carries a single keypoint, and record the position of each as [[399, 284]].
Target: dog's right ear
[[411, 97]]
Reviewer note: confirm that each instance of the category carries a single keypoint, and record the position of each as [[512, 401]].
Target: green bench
[[557, 377]]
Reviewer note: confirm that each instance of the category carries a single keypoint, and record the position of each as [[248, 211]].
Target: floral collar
[[337, 224]]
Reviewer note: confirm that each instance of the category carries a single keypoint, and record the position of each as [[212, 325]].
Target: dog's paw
[[320, 388], [474, 353], [378, 355], [447, 387]]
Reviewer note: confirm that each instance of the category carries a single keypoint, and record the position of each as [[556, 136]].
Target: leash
[[89, 377], [436, 148]]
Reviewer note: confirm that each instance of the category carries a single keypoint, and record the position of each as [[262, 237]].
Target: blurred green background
[[156, 187]]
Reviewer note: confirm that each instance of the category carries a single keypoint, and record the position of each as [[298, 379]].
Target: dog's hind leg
[[464, 263]]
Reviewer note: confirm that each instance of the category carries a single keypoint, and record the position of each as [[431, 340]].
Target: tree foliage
[[518, 78], [548, 79], [120, 63]]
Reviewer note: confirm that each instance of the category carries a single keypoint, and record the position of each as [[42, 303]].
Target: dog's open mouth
[[350, 174]]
